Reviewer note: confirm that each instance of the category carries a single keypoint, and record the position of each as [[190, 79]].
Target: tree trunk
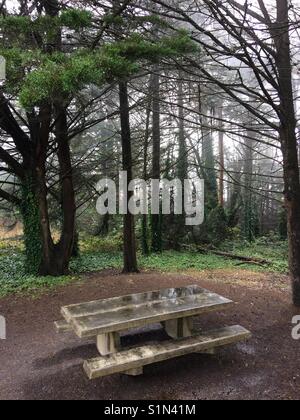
[[130, 258], [289, 143], [41, 157], [222, 158], [208, 158], [145, 245], [156, 167], [65, 246], [292, 203], [31, 226], [56, 258], [182, 165], [248, 205]]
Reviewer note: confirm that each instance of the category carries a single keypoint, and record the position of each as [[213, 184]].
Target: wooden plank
[[120, 314], [139, 357], [62, 326], [128, 301]]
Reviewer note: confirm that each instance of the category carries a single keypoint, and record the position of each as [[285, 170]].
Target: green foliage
[[172, 261], [8, 246], [75, 19], [270, 247], [98, 254], [94, 244], [32, 230], [152, 19], [90, 262], [14, 279], [137, 47], [14, 68], [250, 220], [111, 19], [40, 85], [45, 77], [16, 24], [217, 225], [58, 79]]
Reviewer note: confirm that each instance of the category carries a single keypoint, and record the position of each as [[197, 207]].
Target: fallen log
[[245, 259]]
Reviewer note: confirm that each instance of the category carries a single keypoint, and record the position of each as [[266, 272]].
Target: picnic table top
[[122, 313]]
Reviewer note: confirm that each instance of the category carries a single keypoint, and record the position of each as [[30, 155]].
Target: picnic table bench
[[174, 308]]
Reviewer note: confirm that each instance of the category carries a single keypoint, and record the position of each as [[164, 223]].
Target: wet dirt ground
[[38, 364]]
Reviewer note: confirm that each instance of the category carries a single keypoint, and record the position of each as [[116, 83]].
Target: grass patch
[[96, 256], [13, 279], [184, 261], [268, 248]]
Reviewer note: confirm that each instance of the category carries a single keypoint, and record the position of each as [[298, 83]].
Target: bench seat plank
[[119, 314], [138, 357]]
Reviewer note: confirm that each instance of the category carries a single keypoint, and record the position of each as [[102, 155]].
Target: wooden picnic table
[[174, 308]]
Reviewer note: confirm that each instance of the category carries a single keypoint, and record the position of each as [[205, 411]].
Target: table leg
[[182, 328], [108, 343], [179, 328]]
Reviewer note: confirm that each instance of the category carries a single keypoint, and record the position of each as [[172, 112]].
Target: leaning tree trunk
[[130, 258]]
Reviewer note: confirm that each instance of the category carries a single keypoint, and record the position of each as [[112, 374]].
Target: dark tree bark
[[145, 245], [288, 139], [130, 258], [42, 142], [65, 246], [156, 245], [182, 165], [222, 159], [56, 257], [248, 216]]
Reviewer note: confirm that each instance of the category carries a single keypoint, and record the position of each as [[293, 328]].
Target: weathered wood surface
[[62, 326], [123, 313], [179, 328], [139, 357], [108, 343]]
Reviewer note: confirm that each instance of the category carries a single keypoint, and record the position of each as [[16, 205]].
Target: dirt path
[[36, 363]]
